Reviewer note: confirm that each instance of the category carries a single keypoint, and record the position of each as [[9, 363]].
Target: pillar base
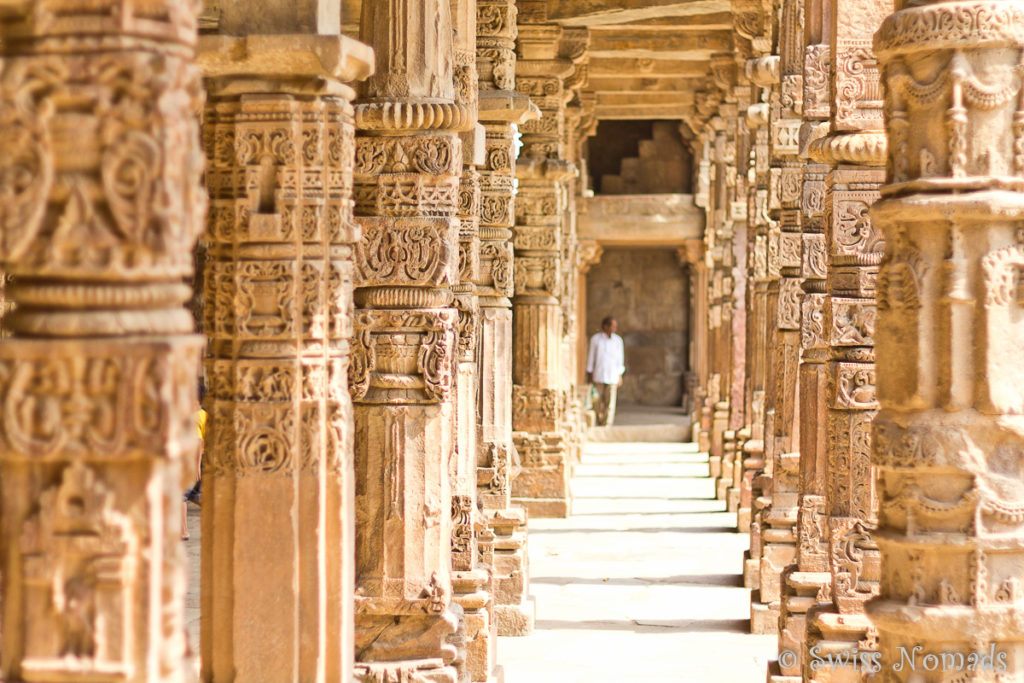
[[732, 500], [472, 591], [722, 488], [542, 487], [764, 617], [778, 549], [513, 606], [743, 516], [800, 591], [774, 676], [545, 508], [751, 575], [830, 633], [421, 671], [715, 468], [516, 620]]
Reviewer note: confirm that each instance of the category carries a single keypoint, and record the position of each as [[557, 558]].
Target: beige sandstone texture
[[381, 232]]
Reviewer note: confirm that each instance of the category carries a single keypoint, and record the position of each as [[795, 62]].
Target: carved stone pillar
[[472, 578], [404, 348], [949, 435], [278, 317], [539, 395], [497, 459], [501, 108], [732, 210], [854, 149], [782, 416], [757, 267], [718, 257], [580, 122], [738, 209], [102, 206], [698, 348], [700, 285], [804, 580]]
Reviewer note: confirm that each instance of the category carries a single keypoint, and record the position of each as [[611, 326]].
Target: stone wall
[[643, 289]]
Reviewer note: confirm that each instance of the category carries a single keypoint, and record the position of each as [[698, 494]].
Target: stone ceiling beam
[[644, 44], [667, 84], [646, 68], [602, 12], [244, 17], [644, 98], [645, 111], [726, 19], [720, 21]]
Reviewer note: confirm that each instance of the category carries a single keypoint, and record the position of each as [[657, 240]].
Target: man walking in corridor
[[605, 366]]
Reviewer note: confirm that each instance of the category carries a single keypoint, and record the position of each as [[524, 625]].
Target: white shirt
[[606, 360]]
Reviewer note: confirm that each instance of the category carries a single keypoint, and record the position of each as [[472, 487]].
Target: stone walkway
[[643, 582]]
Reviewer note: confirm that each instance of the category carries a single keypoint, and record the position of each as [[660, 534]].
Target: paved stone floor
[[644, 423], [192, 594], [643, 582]]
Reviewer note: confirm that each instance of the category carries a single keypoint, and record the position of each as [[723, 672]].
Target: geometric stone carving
[[950, 395], [403, 375], [278, 314]]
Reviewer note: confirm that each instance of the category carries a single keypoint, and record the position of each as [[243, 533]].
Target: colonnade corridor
[[640, 583]]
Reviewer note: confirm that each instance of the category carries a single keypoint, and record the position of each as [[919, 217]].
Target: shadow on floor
[[660, 513], [659, 477], [640, 498], [650, 626], [727, 580], [631, 415], [648, 530]]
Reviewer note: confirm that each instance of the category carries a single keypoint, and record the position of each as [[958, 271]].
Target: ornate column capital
[[588, 255]]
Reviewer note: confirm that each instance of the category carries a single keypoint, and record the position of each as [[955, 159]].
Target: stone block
[[764, 618], [546, 507], [751, 571], [516, 620]]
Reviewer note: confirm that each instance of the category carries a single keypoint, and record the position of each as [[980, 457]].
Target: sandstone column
[[539, 396], [754, 26], [402, 373], [102, 206], [803, 580], [729, 221], [738, 415], [764, 73], [278, 501], [700, 286], [501, 108], [855, 149], [949, 435], [778, 518], [580, 123], [718, 256], [472, 579]]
